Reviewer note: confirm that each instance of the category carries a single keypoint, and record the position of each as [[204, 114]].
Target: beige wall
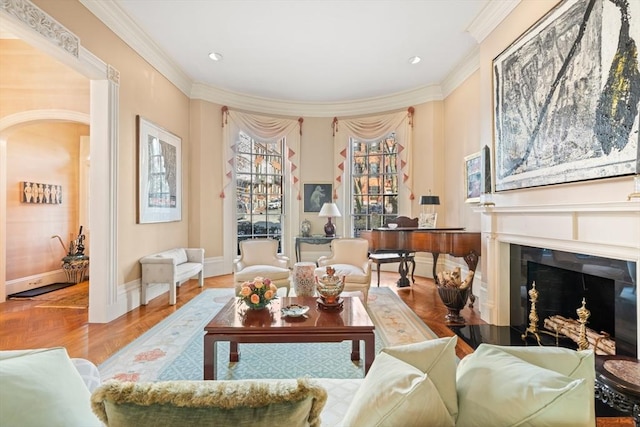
[[32, 81], [143, 91], [205, 178], [46, 153], [428, 160], [462, 138], [316, 165]]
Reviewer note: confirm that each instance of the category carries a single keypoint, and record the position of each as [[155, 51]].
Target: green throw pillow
[[42, 388], [219, 403], [409, 385], [497, 388]]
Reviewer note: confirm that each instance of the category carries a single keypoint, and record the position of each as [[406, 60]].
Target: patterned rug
[[173, 349]]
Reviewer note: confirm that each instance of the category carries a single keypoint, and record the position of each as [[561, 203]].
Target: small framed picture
[[473, 177], [315, 195]]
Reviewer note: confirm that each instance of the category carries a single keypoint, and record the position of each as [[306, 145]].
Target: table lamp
[[329, 210], [428, 219]]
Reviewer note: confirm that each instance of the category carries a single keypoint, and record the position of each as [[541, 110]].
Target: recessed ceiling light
[[215, 56], [414, 60]]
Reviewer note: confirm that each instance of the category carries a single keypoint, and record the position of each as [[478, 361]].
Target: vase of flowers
[[258, 293]]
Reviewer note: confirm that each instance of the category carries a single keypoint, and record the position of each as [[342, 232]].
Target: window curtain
[[369, 129], [265, 129]]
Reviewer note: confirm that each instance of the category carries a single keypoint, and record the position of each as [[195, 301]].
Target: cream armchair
[[350, 258], [259, 257]]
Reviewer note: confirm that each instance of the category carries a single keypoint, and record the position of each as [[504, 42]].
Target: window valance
[[373, 128], [265, 129]]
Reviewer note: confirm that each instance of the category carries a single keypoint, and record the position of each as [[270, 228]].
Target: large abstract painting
[[566, 97]]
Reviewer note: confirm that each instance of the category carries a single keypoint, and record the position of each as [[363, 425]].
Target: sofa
[[172, 267], [421, 384]]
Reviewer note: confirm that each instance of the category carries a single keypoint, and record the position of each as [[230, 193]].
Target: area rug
[[173, 349]]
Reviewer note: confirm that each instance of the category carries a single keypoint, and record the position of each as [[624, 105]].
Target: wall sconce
[[329, 210], [428, 217]]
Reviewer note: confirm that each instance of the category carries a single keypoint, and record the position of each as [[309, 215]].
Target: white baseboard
[[128, 296], [35, 281]]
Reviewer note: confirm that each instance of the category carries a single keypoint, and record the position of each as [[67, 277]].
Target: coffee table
[[236, 324]]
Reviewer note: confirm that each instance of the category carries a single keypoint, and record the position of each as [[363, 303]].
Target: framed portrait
[[473, 177], [566, 97], [159, 174], [315, 195]]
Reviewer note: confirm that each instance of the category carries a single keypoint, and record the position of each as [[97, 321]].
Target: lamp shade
[[329, 210], [429, 200]]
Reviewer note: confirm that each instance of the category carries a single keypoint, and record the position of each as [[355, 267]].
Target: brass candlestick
[[533, 319], [583, 315]]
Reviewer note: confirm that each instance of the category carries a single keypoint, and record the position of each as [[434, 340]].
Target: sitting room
[[172, 137]]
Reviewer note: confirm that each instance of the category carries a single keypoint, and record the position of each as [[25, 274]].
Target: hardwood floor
[[23, 325]]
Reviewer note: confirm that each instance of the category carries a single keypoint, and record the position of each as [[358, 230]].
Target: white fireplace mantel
[[610, 230]]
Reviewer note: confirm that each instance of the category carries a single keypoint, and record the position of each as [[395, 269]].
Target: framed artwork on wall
[[159, 174], [315, 195], [566, 97], [473, 177], [39, 193]]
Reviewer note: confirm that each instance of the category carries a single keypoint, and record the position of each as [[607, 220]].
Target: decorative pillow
[[497, 388], [219, 403], [410, 385], [42, 388]]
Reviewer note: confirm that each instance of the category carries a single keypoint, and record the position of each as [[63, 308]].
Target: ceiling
[[312, 51]]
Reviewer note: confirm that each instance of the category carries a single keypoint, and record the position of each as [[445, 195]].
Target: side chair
[[350, 258], [260, 257]]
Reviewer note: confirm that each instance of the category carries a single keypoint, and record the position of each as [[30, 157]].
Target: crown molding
[[124, 27], [316, 109], [110, 13], [490, 17], [461, 72]]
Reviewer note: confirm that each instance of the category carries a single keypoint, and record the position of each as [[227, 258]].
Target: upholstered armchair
[[350, 258], [259, 257]]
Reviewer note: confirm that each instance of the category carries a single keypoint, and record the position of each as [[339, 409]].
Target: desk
[[312, 240]]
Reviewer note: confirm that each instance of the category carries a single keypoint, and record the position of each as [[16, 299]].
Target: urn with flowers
[[258, 293]]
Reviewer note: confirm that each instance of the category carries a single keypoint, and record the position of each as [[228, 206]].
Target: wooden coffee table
[[236, 324]]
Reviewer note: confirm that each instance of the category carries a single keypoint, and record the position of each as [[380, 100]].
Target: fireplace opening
[[562, 280]]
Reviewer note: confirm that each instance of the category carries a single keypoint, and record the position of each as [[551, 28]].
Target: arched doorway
[[103, 148]]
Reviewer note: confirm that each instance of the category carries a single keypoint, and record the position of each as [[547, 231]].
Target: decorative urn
[[329, 286]]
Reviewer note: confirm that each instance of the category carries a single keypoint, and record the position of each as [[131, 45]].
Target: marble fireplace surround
[[609, 230]]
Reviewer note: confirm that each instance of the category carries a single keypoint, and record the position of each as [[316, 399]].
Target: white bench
[[174, 267]]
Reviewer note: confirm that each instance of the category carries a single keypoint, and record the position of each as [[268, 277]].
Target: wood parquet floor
[[23, 325]]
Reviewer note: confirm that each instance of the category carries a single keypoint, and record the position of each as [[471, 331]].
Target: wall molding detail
[[40, 22]]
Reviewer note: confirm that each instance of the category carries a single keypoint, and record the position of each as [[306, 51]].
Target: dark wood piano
[[453, 241]]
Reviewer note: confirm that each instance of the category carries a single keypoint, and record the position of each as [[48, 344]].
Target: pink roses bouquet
[[258, 293]]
